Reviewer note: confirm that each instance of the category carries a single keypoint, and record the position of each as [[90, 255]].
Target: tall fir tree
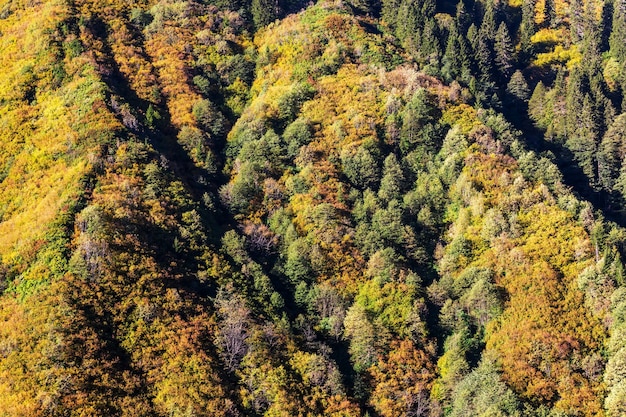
[[463, 18], [527, 29], [584, 139], [408, 25], [518, 87], [577, 20], [428, 9], [392, 182], [617, 39], [488, 26], [472, 36], [451, 68], [557, 128], [504, 51], [577, 87], [611, 153], [537, 108], [592, 32], [430, 47], [466, 57], [484, 57]]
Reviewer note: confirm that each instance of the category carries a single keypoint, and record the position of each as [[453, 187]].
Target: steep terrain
[[333, 209]]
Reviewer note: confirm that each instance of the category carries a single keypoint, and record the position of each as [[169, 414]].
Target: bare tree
[[233, 329]]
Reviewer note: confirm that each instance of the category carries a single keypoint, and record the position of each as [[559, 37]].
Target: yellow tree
[[402, 381]]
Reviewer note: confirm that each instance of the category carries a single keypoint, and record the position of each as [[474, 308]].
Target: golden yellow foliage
[[570, 56]]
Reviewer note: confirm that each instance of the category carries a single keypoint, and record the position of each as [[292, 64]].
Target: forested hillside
[[289, 208]]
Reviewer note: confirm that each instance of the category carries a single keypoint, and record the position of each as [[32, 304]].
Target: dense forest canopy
[[297, 208]]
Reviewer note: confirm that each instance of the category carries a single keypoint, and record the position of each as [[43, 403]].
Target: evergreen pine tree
[[419, 118], [465, 57], [488, 25], [558, 107], [408, 25], [527, 29], [617, 40], [452, 56], [472, 36], [504, 52], [577, 20], [484, 57], [611, 152], [430, 47], [428, 9], [463, 19], [584, 139], [593, 67], [517, 96], [518, 87], [592, 34], [576, 88], [537, 106], [393, 180]]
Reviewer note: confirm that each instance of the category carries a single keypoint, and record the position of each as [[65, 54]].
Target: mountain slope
[[345, 211]]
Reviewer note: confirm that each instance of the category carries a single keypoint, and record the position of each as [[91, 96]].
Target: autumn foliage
[[253, 208]]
